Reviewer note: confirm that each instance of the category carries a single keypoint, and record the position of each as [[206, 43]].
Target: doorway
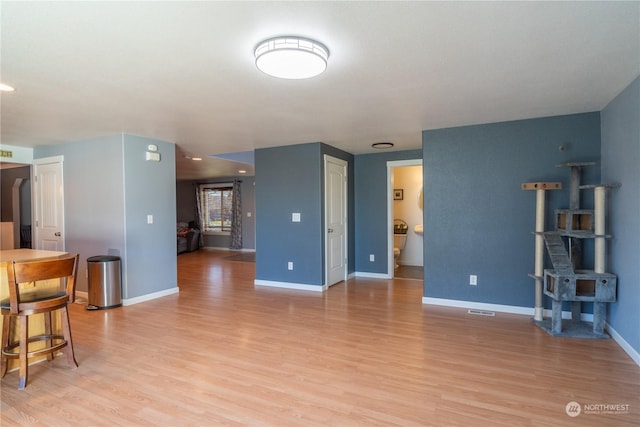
[[48, 204], [405, 219], [15, 192]]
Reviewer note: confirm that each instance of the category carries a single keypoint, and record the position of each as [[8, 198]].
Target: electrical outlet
[[473, 280], [290, 265], [372, 258]]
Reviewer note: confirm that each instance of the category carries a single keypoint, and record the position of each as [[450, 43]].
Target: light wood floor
[[365, 353]]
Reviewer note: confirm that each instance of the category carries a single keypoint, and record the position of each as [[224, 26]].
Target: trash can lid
[[103, 258]]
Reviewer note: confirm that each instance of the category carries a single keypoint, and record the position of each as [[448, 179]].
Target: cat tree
[[566, 281]]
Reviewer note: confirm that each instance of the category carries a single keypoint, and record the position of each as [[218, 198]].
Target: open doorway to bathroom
[[405, 215]]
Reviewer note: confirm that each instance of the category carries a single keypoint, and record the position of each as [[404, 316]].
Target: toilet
[[399, 239]]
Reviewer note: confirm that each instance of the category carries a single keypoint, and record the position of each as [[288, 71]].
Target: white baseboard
[[288, 285], [149, 297], [409, 264], [372, 275], [513, 309], [217, 248], [633, 354]]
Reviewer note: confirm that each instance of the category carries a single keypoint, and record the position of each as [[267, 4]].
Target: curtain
[[236, 213], [199, 218]]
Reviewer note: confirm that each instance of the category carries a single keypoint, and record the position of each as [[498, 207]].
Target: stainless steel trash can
[[104, 282]]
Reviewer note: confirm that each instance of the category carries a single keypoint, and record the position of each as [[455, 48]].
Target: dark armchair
[[188, 239]]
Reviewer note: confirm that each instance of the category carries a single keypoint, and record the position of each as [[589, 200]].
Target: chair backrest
[[64, 269], [25, 236]]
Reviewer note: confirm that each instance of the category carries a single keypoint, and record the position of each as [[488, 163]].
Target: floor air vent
[[481, 312]]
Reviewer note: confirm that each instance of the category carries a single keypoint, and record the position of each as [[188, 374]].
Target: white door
[[335, 187], [48, 204]]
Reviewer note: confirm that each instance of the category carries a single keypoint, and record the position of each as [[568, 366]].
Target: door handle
[[57, 234]]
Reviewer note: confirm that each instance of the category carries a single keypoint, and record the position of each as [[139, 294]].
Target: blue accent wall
[[372, 224], [620, 163], [478, 221], [290, 179]]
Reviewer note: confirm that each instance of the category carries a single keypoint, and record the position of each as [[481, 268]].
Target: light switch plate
[[295, 217]]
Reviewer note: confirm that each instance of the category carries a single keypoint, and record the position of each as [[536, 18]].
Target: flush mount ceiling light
[[291, 57], [382, 145]]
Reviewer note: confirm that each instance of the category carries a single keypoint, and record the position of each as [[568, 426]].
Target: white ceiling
[[184, 71]]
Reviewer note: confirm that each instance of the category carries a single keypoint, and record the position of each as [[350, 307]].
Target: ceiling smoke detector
[[382, 145]]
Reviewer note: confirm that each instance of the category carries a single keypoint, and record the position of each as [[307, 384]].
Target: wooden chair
[[24, 302]]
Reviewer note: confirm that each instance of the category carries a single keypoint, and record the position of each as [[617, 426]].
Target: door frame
[[391, 164], [345, 234], [35, 200], [16, 214]]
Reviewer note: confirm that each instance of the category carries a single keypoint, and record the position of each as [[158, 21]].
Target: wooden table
[[36, 322], [29, 255]]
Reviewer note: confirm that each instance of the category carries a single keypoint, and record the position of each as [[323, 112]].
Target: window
[[217, 207]]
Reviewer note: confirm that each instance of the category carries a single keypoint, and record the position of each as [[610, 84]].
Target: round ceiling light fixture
[[291, 57], [6, 88], [382, 145]]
